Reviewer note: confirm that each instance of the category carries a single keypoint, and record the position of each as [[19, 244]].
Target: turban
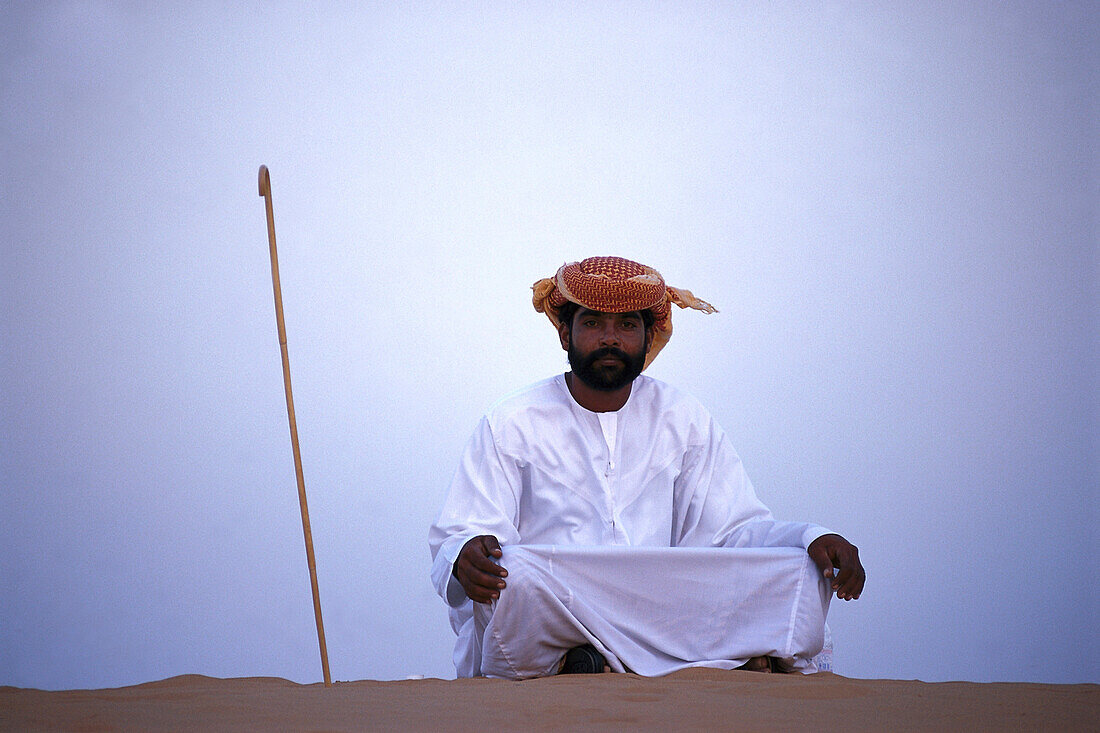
[[615, 285]]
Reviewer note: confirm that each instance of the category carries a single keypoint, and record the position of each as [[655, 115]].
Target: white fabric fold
[[652, 610]]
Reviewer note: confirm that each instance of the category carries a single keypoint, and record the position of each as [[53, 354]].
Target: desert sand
[[696, 699]]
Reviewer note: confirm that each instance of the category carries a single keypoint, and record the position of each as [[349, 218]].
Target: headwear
[[615, 285]]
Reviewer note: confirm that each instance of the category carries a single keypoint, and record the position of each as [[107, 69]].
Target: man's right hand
[[476, 569]]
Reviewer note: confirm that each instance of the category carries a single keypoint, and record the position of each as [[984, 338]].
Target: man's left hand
[[831, 551]]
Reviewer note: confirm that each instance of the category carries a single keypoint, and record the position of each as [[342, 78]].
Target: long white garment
[[539, 470]]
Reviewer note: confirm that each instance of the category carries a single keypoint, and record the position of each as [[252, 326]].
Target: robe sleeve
[[483, 499], [716, 505]]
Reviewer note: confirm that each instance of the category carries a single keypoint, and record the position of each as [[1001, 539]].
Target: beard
[[601, 377]]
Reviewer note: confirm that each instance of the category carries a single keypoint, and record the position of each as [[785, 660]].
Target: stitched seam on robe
[[794, 612], [503, 649]]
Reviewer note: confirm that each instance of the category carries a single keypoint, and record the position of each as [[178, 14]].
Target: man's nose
[[609, 336]]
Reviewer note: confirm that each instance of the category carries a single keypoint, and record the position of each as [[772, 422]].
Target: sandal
[[582, 660]]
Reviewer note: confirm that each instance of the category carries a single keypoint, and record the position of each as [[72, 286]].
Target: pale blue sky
[[894, 208]]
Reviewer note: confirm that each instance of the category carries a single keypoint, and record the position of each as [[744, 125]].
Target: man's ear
[[650, 335], [563, 334]]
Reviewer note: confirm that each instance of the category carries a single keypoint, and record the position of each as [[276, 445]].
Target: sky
[[893, 206]]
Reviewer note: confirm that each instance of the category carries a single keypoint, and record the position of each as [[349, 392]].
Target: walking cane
[[265, 191]]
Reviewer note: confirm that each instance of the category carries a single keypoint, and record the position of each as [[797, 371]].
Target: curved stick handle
[[265, 181]]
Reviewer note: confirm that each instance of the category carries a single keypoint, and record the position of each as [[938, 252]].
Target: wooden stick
[[265, 191]]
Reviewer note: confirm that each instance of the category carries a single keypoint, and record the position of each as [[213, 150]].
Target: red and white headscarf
[[615, 285]]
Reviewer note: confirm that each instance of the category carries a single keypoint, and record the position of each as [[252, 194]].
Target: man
[[600, 519]]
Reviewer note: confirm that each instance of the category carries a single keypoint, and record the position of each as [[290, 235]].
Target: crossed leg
[[653, 610]]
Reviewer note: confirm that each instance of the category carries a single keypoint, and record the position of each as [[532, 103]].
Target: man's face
[[606, 350]]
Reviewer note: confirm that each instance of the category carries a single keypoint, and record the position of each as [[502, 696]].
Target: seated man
[[601, 519]]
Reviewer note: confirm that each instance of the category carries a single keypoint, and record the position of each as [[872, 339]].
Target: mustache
[[608, 351]]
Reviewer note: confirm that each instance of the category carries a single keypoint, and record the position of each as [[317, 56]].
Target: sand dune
[[689, 700]]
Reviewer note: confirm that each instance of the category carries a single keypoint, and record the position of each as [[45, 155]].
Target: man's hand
[[833, 551], [476, 568]]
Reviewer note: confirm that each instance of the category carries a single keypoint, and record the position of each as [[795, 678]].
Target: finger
[[487, 565], [821, 559], [479, 586], [846, 567], [854, 587], [487, 548], [823, 551], [852, 584], [492, 546], [484, 580], [481, 595], [859, 576], [847, 592]]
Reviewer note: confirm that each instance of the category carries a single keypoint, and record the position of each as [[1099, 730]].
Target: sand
[[689, 700]]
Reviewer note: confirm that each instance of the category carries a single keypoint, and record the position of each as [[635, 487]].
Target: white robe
[[658, 473]]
